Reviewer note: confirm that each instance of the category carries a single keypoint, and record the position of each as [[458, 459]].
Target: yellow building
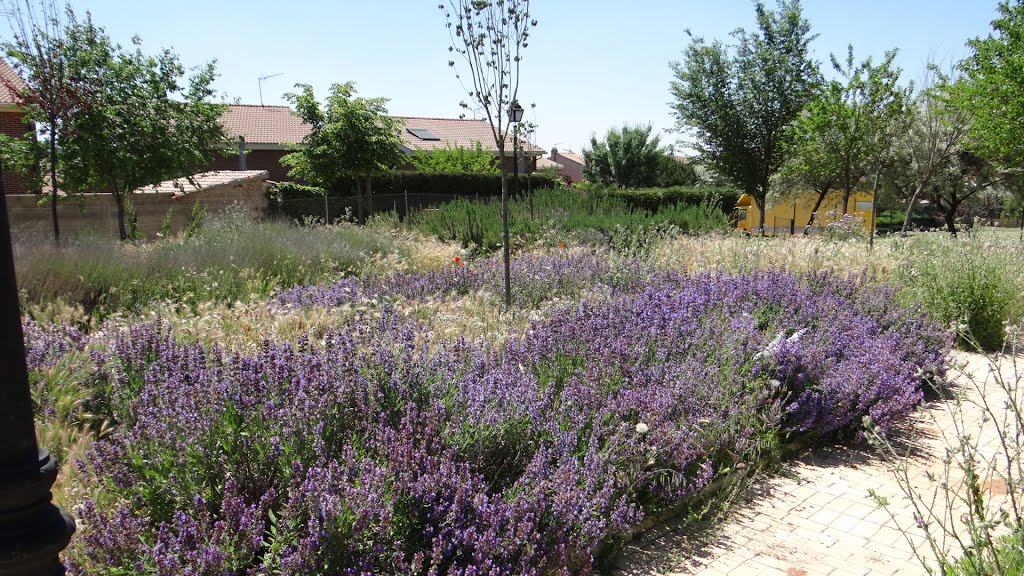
[[790, 216]]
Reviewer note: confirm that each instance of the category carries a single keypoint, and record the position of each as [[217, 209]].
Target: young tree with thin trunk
[[39, 53], [350, 139], [937, 127], [738, 102], [489, 36], [841, 137], [148, 122]]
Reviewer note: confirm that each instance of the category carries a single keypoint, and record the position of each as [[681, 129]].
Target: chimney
[[554, 154], [241, 153]]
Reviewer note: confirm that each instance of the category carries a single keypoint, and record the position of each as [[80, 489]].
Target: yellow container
[[791, 215]]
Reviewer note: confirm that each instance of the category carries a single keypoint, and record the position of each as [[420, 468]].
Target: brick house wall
[[97, 213], [269, 160], [12, 124], [570, 168]]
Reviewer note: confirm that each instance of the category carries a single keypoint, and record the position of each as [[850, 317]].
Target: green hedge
[[394, 191], [653, 199]]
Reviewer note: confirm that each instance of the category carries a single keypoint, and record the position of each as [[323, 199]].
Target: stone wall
[[96, 213]]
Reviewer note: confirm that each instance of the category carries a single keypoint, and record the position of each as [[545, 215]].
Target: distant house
[[571, 162], [263, 134], [545, 164], [437, 133], [12, 122]]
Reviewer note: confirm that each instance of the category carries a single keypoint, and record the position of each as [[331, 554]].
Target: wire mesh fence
[[355, 208]]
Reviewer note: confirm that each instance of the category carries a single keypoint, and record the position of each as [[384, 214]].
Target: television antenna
[[263, 79]]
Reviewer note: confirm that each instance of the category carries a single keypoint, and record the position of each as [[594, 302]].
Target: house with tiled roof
[[263, 134], [12, 121], [438, 133], [571, 162]]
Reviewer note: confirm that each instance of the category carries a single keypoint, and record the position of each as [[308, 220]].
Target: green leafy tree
[[148, 123], [738, 103], [935, 132], [489, 36], [844, 133], [627, 157], [674, 171], [455, 159], [961, 178], [993, 90], [39, 53], [350, 138]]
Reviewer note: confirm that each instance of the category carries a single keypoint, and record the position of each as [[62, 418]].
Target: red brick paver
[[816, 518]]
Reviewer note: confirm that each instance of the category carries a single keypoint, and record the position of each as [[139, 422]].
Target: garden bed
[[386, 447]]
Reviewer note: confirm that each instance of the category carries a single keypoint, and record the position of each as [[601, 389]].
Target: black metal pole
[[32, 530]]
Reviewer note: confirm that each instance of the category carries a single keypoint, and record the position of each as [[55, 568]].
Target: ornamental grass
[[380, 443]]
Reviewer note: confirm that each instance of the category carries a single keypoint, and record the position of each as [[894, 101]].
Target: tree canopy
[[350, 137], [455, 159], [51, 98], [843, 134], [148, 122], [993, 87], [738, 102], [628, 157], [489, 36]]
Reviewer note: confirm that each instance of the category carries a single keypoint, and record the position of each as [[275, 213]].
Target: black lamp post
[[515, 115], [32, 530]]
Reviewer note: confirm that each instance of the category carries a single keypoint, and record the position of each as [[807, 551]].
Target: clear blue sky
[[590, 65]]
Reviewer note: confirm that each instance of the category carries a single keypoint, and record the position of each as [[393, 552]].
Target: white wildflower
[[641, 428]]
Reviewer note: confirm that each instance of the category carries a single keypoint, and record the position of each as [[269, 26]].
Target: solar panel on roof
[[422, 133]]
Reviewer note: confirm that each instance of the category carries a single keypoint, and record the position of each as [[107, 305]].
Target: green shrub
[[969, 282], [587, 217], [654, 199], [225, 261], [392, 191]]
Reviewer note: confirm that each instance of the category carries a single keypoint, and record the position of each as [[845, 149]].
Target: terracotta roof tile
[[577, 158], [546, 163], [182, 186], [453, 132], [10, 83], [264, 124], [280, 125]]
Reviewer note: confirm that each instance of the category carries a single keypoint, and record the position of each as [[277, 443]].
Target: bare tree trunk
[[874, 210], [846, 201], [53, 189], [505, 252], [910, 210], [359, 201], [760, 203], [950, 218], [814, 211], [369, 196], [122, 230]]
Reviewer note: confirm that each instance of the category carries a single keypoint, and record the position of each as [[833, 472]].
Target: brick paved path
[[816, 517]]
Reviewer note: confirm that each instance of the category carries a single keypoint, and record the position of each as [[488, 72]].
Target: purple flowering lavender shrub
[[383, 450], [535, 278]]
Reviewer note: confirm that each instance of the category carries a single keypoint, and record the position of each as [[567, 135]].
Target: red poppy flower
[[561, 245]]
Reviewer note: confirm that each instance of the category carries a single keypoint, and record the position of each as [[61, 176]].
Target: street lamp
[[515, 115], [32, 530]]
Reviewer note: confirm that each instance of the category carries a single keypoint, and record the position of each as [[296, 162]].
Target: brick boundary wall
[[97, 214]]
